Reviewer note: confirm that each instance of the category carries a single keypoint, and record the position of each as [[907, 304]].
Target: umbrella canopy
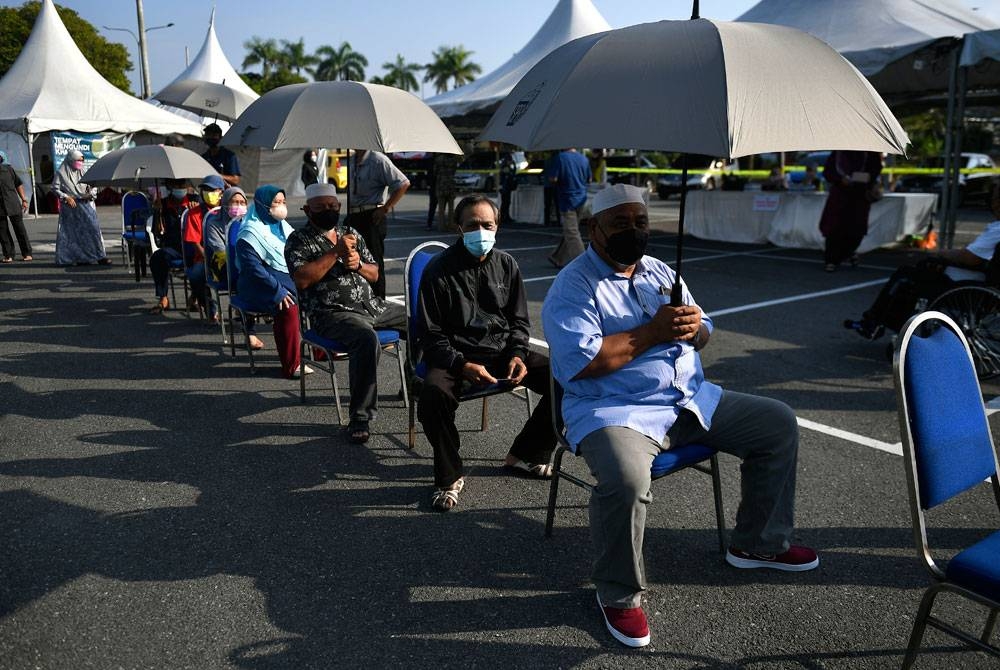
[[706, 87], [143, 166], [345, 114], [205, 97]]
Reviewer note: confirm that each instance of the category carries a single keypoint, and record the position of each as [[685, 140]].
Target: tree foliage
[[451, 63], [401, 74], [342, 63], [110, 59], [279, 66]]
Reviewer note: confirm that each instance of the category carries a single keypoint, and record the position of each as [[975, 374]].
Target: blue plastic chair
[[137, 232], [947, 450], [335, 351], [695, 456], [416, 263], [243, 309], [218, 289]]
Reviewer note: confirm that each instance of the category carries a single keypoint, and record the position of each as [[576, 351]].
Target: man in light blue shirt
[[633, 385]]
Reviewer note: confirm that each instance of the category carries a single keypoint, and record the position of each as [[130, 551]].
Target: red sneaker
[[628, 626], [795, 559]]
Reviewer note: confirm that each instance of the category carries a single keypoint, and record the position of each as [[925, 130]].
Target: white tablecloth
[[791, 219], [527, 204]]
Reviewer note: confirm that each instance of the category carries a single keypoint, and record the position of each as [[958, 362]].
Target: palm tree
[[262, 52], [343, 63], [401, 74], [451, 63], [295, 55]]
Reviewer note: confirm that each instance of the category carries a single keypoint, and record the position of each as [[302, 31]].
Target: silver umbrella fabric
[[699, 86], [147, 165], [344, 114], [206, 98]]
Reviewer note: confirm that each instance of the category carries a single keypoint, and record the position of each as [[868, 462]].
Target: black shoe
[[865, 329]]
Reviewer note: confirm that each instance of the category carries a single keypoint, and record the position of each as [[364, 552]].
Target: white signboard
[[766, 203]]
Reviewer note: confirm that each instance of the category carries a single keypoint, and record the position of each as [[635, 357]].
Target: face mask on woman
[[237, 211], [479, 242], [211, 198], [279, 212], [178, 193], [77, 165]]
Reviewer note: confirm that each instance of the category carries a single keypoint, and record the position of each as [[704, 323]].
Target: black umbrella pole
[[677, 292]]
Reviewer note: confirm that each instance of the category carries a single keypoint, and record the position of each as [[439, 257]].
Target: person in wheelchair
[[931, 277], [633, 384], [473, 315], [334, 272]]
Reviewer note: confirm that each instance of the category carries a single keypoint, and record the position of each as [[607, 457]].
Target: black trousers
[[840, 245], [897, 300], [7, 242], [374, 236], [436, 411]]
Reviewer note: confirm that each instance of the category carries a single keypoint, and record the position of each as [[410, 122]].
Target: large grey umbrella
[[146, 165], [206, 97], [341, 114], [698, 86]]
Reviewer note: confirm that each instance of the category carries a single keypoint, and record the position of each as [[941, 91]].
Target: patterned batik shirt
[[340, 289]]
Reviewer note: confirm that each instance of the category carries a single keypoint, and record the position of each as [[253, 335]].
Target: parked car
[[974, 186], [634, 178], [336, 168], [415, 165], [478, 171], [714, 168]]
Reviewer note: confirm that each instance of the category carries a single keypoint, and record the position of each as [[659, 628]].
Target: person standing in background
[[571, 176], [853, 178], [310, 171], [222, 159], [78, 239], [13, 205]]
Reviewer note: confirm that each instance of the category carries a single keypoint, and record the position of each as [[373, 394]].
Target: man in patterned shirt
[[334, 272]]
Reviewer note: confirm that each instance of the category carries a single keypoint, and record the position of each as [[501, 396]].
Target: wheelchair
[[976, 309]]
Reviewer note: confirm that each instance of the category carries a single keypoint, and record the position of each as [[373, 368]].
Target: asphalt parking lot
[[162, 508]]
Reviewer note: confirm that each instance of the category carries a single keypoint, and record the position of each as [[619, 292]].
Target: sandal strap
[[444, 498]]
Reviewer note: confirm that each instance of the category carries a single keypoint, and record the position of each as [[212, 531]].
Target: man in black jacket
[[474, 324]]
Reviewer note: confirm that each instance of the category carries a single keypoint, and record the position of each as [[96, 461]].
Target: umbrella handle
[[677, 292]]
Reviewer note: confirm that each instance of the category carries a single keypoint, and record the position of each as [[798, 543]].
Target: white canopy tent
[[257, 166], [51, 86], [569, 20], [908, 49]]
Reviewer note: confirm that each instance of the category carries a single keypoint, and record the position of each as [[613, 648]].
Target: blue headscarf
[[263, 232]]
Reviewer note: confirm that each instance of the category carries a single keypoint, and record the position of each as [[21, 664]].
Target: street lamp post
[[143, 59]]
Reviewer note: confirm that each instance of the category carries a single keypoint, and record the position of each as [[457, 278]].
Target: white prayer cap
[[320, 190], [617, 194]]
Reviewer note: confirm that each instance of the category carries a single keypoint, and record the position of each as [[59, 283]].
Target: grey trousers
[[571, 244], [357, 333], [760, 431]]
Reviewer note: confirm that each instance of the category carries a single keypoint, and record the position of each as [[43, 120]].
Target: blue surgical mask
[[178, 193], [479, 242]]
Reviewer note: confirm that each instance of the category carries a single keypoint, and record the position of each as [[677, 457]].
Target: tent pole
[[956, 149], [31, 168], [949, 124], [677, 292]]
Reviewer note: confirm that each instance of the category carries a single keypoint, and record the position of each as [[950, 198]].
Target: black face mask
[[212, 142], [626, 247], [326, 219]]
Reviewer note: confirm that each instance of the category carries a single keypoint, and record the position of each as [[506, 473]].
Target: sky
[[379, 30]]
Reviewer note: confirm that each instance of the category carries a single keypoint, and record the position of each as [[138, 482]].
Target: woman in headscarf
[[78, 240], [232, 208], [263, 280]]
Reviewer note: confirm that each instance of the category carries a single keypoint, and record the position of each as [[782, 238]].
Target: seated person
[[334, 272], [809, 181], [897, 300], [264, 283], [167, 230], [473, 317], [210, 191], [633, 386]]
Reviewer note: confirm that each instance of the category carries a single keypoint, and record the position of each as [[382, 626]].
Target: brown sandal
[[160, 307]]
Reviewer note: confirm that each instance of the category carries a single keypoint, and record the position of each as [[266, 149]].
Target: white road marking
[[796, 298], [896, 448]]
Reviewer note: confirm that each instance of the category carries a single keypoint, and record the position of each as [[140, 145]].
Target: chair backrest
[[232, 234], [136, 212], [416, 263], [947, 444]]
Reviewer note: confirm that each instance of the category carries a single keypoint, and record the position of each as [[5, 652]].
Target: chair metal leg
[[336, 391], [412, 437], [550, 514], [919, 625], [720, 515], [173, 291], [232, 329], [991, 623], [402, 375]]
